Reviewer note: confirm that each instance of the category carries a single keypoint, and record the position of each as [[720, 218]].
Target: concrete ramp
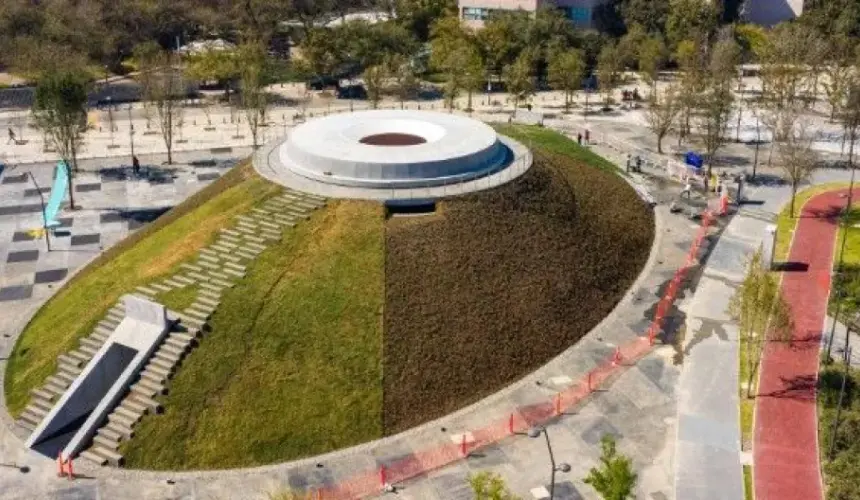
[[76, 416]]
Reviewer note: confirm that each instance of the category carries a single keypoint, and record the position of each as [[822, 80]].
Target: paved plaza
[[656, 408]]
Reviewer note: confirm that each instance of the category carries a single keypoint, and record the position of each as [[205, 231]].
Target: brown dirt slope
[[498, 283]]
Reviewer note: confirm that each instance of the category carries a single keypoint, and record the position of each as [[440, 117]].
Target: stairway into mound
[[218, 267]]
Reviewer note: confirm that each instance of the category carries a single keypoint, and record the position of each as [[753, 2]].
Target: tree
[[161, 85], [401, 71], [652, 57], [692, 65], [519, 79], [566, 70], [762, 314], [220, 66], [663, 111], [253, 75], [614, 479], [374, 80], [60, 110], [839, 74], [490, 486], [449, 45], [691, 20], [715, 108], [651, 15], [474, 74], [797, 158], [609, 70]]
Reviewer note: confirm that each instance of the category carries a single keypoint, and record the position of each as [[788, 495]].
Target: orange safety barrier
[[525, 417], [65, 467]]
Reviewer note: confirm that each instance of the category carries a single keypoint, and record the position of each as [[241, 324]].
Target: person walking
[[587, 136], [579, 138], [135, 165], [629, 161], [11, 137], [688, 189]]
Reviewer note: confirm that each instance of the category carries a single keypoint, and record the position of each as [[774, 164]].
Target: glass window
[[475, 14], [579, 15]]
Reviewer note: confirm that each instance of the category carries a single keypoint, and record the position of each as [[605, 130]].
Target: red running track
[[785, 443]]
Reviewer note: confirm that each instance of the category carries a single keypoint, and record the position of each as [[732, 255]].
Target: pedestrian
[[740, 181], [688, 189], [579, 138], [639, 164], [587, 136], [11, 137], [629, 161], [135, 165]]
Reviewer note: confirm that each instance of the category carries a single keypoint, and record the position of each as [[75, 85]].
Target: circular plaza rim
[[392, 154]]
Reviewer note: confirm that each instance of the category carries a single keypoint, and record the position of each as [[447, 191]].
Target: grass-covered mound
[[292, 365], [498, 283], [149, 254]]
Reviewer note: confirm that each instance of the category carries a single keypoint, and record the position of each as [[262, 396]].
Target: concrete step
[[57, 381], [219, 274], [120, 428], [158, 370], [230, 238], [209, 292], [261, 211], [248, 227], [144, 390], [174, 283], [246, 255], [43, 394], [105, 442], [69, 370], [111, 456], [92, 343], [233, 273], [207, 309], [162, 363], [270, 235], [252, 231], [174, 350], [126, 412], [68, 360], [102, 331], [117, 315], [251, 244], [194, 313], [182, 279], [192, 322], [221, 283], [33, 414], [42, 404], [246, 218], [212, 286], [233, 265], [190, 267], [302, 200], [208, 258], [160, 287], [221, 248], [146, 291], [56, 389], [169, 357], [199, 277], [134, 406], [94, 457], [66, 375], [208, 265], [297, 213], [224, 243], [158, 378], [228, 258], [30, 426], [255, 239], [153, 405], [107, 325], [88, 350], [270, 225], [209, 301], [183, 336], [110, 434], [80, 356], [231, 232]]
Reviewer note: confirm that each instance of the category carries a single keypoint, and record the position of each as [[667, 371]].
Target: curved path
[[785, 438]]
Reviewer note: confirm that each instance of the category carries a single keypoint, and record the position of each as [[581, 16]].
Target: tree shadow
[[762, 179], [791, 267], [800, 388]]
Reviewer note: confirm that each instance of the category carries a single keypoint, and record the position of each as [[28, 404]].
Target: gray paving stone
[[23, 256], [50, 276], [15, 179], [86, 188], [19, 292], [22, 236], [86, 239]]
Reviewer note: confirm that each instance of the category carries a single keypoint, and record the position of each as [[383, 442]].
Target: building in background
[[771, 12], [580, 12]]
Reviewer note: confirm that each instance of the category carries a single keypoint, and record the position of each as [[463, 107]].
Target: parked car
[[352, 92]]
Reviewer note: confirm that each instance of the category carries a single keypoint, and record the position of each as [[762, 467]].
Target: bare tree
[[796, 156], [253, 77], [762, 314], [662, 112], [374, 79], [609, 68], [839, 74], [162, 86], [715, 110], [403, 74]]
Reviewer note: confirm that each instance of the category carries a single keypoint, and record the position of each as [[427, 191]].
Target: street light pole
[[535, 432], [131, 133]]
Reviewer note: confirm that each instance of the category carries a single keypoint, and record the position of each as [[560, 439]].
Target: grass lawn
[[785, 223], [292, 365], [747, 408], [178, 299], [748, 484], [148, 254], [550, 141], [498, 282], [842, 474]]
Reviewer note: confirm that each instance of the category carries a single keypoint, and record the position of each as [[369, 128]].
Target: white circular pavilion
[[392, 154]]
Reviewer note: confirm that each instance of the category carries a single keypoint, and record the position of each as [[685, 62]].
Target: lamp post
[[44, 215], [535, 433], [131, 133]]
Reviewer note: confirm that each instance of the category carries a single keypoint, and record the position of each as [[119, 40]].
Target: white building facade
[[579, 12]]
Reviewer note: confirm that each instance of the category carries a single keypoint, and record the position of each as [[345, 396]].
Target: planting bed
[[497, 283]]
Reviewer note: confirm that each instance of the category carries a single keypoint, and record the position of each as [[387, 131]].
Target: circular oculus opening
[[393, 139]]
